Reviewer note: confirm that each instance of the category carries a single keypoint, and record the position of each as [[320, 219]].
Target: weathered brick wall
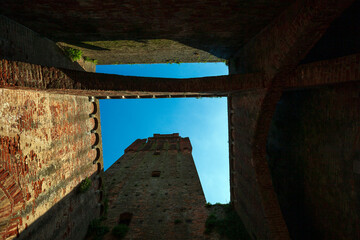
[[210, 26], [19, 43], [276, 51], [250, 182], [170, 206], [340, 39], [14, 74], [314, 150], [45, 152]]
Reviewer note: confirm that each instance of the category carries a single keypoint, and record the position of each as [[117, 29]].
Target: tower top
[[161, 142], [156, 135]]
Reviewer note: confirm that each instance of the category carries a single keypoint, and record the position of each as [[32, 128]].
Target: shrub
[[177, 221], [120, 230], [106, 206], [84, 185], [231, 226], [87, 59], [96, 229], [210, 223], [73, 54]]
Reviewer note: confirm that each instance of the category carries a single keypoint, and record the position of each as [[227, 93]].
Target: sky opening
[[203, 120]]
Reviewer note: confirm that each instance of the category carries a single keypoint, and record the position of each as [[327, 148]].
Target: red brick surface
[[44, 144], [312, 147], [72, 82], [250, 180], [170, 206], [287, 40], [207, 25], [24, 75], [19, 43], [275, 51]]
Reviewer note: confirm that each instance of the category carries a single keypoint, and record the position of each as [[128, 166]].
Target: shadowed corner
[[70, 217], [87, 46]]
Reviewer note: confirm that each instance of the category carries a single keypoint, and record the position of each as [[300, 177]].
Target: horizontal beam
[[36, 77], [327, 72], [24, 75]]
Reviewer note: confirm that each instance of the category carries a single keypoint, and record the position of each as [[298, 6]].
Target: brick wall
[[168, 206], [19, 43], [250, 182], [185, 31], [313, 151], [45, 153]]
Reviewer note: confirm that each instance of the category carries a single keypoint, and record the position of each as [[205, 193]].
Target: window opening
[[125, 218], [155, 173]]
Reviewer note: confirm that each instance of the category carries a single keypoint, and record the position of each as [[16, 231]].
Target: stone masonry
[[156, 183], [293, 109], [45, 152]]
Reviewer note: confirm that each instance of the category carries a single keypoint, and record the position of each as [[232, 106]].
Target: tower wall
[[156, 181]]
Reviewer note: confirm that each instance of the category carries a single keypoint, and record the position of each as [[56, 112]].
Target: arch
[[93, 108], [125, 218], [99, 168], [100, 181], [95, 154], [95, 139], [11, 201], [251, 119], [102, 209]]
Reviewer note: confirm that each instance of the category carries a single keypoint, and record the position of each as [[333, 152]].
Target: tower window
[[155, 173], [125, 218]]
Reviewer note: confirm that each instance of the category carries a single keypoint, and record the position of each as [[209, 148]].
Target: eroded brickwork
[[313, 151], [276, 51], [185, 31], [19, 43], [156, 181], [45, 152], [250, 181]]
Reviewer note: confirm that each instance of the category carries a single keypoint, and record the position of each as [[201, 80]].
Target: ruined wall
[[148, 31], [314, 154], [19, 43], [45, 152], [168, 206], [250, 182]]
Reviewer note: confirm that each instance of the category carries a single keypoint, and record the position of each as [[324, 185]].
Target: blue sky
[[203, 120]]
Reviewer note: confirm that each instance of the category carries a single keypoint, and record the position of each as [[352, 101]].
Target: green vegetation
[[120, 231], [87, 59], [72, 53], [106, 206], [150, 44], [177, 221], [97, 230], [230, 227], [85, 185], [171, 61], [210, 223]]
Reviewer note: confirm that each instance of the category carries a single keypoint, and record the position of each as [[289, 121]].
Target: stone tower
[[155, 189]]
